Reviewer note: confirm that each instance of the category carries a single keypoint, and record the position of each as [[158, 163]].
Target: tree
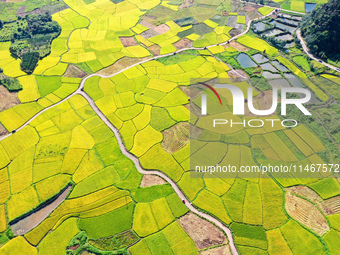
[[321, 30], [1, 24]]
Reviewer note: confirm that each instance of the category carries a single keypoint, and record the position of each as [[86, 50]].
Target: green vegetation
[[149, 194], [260, 83], [115, 242], [29, 62], [31, 38], [98, 227], [321, 31], [11, 84]]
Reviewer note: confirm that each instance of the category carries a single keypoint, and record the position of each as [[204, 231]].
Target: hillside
[[321, 30]]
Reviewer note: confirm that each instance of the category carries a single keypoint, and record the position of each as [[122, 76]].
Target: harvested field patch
[[305, 192], [161, 29], [151, 180], [74, 71], [237, 46], [120, 65], [8, 99], [306, 213], [3, 130], [128, 41], [203, 233], [155, 49], [223, 250], [183, 43], [176, 137], [186, 4], [237, 75], [331, 206]]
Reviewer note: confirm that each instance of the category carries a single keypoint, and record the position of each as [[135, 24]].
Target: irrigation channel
[[178, 191]]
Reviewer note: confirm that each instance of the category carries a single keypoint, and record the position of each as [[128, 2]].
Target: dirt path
[[178, 191]]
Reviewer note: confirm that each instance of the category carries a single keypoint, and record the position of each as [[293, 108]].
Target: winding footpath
[[178, 191], [307, 51]]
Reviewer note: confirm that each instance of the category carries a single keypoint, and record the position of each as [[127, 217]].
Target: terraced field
[[112, 104]]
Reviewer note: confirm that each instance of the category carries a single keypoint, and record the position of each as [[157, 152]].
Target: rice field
[[70, 144]]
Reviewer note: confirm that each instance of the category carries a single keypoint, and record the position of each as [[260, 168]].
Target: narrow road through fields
[[306, 50], [160, 174], [178, 191]]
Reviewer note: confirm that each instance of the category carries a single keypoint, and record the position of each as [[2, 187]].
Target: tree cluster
[[321, 30]]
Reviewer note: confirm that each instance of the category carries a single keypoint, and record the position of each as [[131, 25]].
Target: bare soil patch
[[249, 8], [8, 99], [264, 101], [183, 43], [203, 233], [120, 65], [155, 49], [147, 24], [149, 33], [238, 46], [252, 16], [186, 4], [161, 29], [176, 137], [306, 213], [128, 41], [306, 192], [236, 31], [223, 250], [237, 75], [74, 71], [331, 206], [151, 180], [3, 131]]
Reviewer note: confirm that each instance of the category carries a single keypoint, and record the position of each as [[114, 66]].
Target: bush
[[11, 84]]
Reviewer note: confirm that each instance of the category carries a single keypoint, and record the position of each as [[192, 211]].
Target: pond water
[[279, 66], [268, 66], [245, 60], [309, 7], [33, 219], [282, 26], [290, 22], [272, 32], [294, 80], [269, 75], [259, 26], [259, 58], [286, 37], [289, 45]]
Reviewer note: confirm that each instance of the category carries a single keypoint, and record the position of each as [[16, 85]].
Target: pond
[[259, 58], [309, 7], [272, 32], [294, 80], [245, 60], [269, 75], [279, 66], [282, 26], [34, 218], [286, 37], [259, 26], [288, 21], [289, 45], [268, 66]]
